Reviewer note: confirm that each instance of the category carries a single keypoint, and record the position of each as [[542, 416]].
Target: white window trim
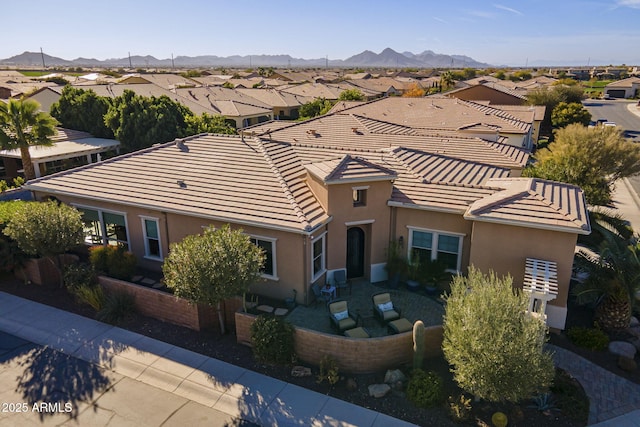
[[434, 243], [323, 268], [146, 238], [102, 224], [273, 241], [361, 187]]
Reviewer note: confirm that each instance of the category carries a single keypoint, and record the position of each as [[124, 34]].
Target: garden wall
[[42, 271], [169, 308], [353, 355]]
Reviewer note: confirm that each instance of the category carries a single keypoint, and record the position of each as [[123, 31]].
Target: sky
[[500, 32]]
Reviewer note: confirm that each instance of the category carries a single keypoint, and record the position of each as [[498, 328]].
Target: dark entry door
[[355, 252]]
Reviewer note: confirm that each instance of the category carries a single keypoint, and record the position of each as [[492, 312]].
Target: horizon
[[508, 33]]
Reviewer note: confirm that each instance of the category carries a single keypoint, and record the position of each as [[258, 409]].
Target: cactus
[[418, 344]]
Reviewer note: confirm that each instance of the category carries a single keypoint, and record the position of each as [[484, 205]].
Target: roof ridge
[[283, 183]]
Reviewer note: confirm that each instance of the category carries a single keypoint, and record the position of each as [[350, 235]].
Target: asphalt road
[[617, 111]]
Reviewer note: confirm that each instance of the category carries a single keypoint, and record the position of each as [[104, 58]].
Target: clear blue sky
[[504, 32]]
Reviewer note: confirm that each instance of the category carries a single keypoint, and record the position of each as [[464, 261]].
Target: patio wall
[[352, 355], [169, 308], [42, 271]]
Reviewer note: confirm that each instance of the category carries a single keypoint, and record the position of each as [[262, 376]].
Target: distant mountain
[[387, 58]]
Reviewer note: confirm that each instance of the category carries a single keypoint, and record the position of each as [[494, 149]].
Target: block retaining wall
[[352, 355]]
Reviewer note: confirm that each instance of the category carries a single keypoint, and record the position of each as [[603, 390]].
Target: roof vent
[[181, 183], [181, 146], [313, 132]]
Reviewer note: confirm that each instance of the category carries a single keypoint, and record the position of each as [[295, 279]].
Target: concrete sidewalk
[[131, 379]]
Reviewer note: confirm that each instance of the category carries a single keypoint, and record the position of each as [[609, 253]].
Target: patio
[[414, 306]]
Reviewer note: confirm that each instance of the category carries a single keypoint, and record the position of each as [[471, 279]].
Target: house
[[330, 194], [70, 148], [46, 96], [625, 88], [285, 105], [494, 93]]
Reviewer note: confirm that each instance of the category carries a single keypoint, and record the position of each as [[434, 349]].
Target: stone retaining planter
[[353, 355]]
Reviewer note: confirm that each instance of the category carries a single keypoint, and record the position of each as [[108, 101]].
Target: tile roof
[[206, 178], [350, 169], [228, 102], [439, 113], [533, 202], [275, 98]]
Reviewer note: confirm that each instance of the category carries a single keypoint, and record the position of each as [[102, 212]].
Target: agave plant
[[613, 274]]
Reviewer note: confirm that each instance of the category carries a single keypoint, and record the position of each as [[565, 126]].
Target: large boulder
[[622, 348], [394, 376], [379, 390]]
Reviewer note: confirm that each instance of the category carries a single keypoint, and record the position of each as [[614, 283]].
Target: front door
[[355, 252]]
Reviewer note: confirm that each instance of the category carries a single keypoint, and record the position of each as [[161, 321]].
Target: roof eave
[[425, 207], [36, 188], [527, 224], [359, 180]]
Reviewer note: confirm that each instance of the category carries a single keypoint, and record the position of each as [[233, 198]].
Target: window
[[360, 196], [151, 231], [432, 245], [104, 228], [317, 257], [269, 247]]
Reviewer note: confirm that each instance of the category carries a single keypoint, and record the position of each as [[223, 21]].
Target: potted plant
[[396, 264], [433, 272], [414, 268]]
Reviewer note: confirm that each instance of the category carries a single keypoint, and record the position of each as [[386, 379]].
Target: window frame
[[323, 256], [103, 226], [147, 254], [274, 259], [435, 234], [359, 196]]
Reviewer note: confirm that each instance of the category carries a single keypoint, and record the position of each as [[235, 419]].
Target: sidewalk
[[135, 380]]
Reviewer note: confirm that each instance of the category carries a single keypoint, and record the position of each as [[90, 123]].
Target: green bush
[[589, 338], [89, 294], [425, 389], [76, 275], [272, 340], [113, 261], [329, 371], [118, 306], [495, 348]]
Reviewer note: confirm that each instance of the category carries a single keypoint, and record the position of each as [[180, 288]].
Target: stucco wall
[[483, 93], [353, 355], [505, 249]]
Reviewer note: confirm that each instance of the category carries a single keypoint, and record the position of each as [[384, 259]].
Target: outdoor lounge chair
[[340, 317], [340, 281], [383, 307]]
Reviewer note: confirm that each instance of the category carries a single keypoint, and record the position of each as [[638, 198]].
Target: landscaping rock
[[352, 384], [635, 331], [634, 321], [393, 376], [300, 371], [622, 348], [379, 390], [635, 342], [627, 364]]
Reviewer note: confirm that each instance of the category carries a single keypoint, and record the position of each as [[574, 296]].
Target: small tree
[[565, 114], [351, 95], [214, 266], [414, 91], [493, 345], [46, 229]]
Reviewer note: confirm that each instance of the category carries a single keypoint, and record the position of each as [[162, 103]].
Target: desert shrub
[[76, 275], [92, 295], [589, 338], [424, 389], [113, 261], [459, 408], [570, 397], [495, 347], [117, 307], [272, 340], [329, 371]]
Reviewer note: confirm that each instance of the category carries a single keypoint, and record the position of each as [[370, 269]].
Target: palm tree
[[446, 80], [22, 125], [613, 272]]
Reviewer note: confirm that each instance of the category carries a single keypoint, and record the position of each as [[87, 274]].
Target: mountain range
[[387, 58]]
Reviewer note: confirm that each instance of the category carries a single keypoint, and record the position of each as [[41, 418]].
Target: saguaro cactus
[[418, 344]]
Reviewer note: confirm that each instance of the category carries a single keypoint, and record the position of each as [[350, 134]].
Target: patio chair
[[341, 318], [340, 281], [383, 307], [320, 296]]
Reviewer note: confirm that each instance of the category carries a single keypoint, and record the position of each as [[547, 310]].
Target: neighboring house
[[70, 149], [285, 105], [438, 113], [46, 96], [625, 88], [494, 93], [330, 194]]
